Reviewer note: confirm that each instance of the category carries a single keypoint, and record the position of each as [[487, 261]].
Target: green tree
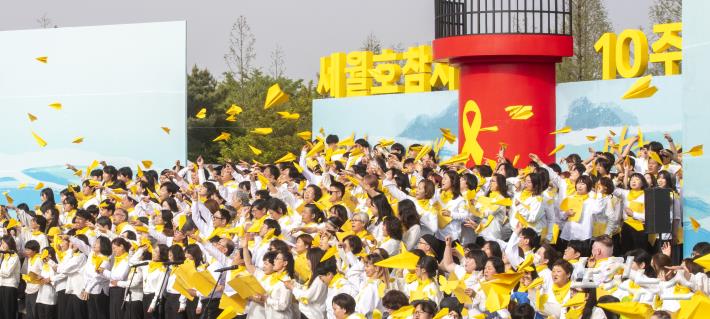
[[203, 91], [660, 12], [589, 21], [249, 93]]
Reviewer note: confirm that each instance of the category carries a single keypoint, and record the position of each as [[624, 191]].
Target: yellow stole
[[561, 292], [118, 259]]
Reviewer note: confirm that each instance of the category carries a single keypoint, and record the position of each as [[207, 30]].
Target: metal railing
[[466, 17]]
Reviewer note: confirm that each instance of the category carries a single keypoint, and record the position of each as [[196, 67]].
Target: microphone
[[227, 268], [140, 264]]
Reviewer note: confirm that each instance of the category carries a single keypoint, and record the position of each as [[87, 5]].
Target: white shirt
[[10, 271], [315, 296]]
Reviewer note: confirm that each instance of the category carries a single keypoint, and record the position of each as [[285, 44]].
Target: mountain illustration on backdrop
[[426, 127], [585, 114]]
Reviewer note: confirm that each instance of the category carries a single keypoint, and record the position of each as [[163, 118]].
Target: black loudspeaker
[[657, 202]]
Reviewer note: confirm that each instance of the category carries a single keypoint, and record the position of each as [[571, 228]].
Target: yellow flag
[[305, 135], [147, 164], [275, 96], [557, 149], [56, 105], [39, 140], [289, 116], [32, 117], [78, 140], [42, 59], [255, 150], [563, 130], [234, 110], [289, 157], [201, 114], [222, 137], [262, 130], [165, 129]]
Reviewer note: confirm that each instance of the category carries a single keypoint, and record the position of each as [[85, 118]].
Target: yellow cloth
[[561, 292]]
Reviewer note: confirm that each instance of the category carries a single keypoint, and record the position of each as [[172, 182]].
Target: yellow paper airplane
[[262, 130], [8, 198], [234, 110], [695, 151], [461, 158], [289, 116], [165, 129], [222, 137], [32, 117], [39, 140], [348, 141], [42, 59], [641, 89], [56, 105], [305, 135], [519, 112], [22, 185], [255, 150], [557, 149], [563, 130], [147, 164], [78, 140], [490, 129], [201, 114], [694, 223], [231, 118], [591, 138], [39, 186], [275, 96], [289, 157], [423, 151], [450, 137]]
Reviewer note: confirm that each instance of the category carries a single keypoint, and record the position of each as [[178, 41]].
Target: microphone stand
[[159, 301], [128, 293], [203, 315]]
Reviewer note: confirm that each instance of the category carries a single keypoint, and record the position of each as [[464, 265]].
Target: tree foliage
[[249, 93], [589, 21]]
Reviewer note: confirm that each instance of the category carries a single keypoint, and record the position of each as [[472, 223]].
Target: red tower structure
[[506, 51]]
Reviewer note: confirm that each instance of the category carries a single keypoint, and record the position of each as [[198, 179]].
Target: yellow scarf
[[97, 260], [446, 196], [276, 277], [36, 233], [119, 227], [561, 292], [420, 292], [581, 197], [83, 231], [155, 265], [159, 228], [33, 259], [634, 194], [118, 259], [524, 195], [335, 282], [571, 187]]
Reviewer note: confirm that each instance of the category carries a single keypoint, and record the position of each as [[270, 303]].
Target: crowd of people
[[351, 229]]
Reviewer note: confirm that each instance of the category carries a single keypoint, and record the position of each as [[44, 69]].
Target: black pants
[[147, 299], [134, 310], [115, 296], [172, 306], [633, 239], [30, 303], [46, 311], [98, 306], [213, 311], [76, 308], [61, 303], [8, 302], [191, 308]]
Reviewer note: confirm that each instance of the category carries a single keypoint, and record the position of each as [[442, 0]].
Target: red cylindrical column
[[501, 70]]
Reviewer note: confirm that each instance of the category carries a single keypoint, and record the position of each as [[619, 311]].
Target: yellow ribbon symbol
[[471, 130]]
